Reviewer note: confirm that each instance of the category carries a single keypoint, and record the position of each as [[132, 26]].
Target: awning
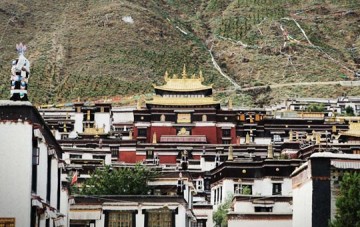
[[85, 214], [346, 164]]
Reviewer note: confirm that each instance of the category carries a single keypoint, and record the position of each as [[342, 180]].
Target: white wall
[[257, 223], [78, 126], [15, 169], [302, 205], [101, 120]]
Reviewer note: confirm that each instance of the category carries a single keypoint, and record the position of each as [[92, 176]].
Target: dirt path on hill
[[342, 83]]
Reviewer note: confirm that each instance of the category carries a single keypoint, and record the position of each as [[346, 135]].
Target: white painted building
[[261, 191], [30, 168], [315, 187], [136, 210]]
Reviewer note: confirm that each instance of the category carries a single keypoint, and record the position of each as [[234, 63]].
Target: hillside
[[97, 48]]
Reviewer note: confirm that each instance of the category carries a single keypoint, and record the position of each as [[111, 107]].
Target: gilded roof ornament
[[201, 76], [184, 75], [175, 76], [166, 76]]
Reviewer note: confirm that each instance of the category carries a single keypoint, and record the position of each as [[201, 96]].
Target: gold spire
[[166, 76], [88, 115], [201, 77], [154, 138], [65, 129], [317, 138], [291, 136], [184, 75], [270, 151], [231, 153], [247, 138]]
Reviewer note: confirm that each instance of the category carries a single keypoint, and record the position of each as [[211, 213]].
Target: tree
[[315, 107], [123, 181], [220, 215], [348, 202], [349, 111]]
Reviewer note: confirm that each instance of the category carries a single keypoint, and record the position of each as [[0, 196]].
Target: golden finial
[[184, 75], [317, 138], [231, 153], [166, 76], [201, 76], [175, 76], [78, 98], [65, 129], [130, 135], [290, 135], [193, 76], [154, 138], [270, 151], [88, 115], [247, 138]]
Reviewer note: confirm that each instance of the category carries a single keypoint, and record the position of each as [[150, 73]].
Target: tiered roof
[[184, 91]]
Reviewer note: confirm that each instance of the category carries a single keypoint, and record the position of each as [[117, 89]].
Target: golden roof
[[182, 101], [185, 83], [354, 130]]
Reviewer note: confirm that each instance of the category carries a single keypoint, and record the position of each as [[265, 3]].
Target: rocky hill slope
[[97, 48]]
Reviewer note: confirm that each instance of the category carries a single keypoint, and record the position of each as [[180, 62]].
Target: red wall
[[161, 131], [233, 135], [196, 157], [140, 158], [209, 132], [128, 156], [167, 159]]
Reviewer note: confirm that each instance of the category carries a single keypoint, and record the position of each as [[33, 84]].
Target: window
[[199, 223], [75, 156], [149, 154], [160, 218], [35, 152], [243, 189], [215, 201], [226, 141], [142, 132], [276, 189], [263, 209], [114, 152], [120, 219], [102, 157], [35, 156], [199, 184], [277, 138], [226, 132]]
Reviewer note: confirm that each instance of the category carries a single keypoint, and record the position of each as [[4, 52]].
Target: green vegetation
[[315, 107], [255, 42], [123, 181], [220, 215], [348, 203], [349, 111]]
